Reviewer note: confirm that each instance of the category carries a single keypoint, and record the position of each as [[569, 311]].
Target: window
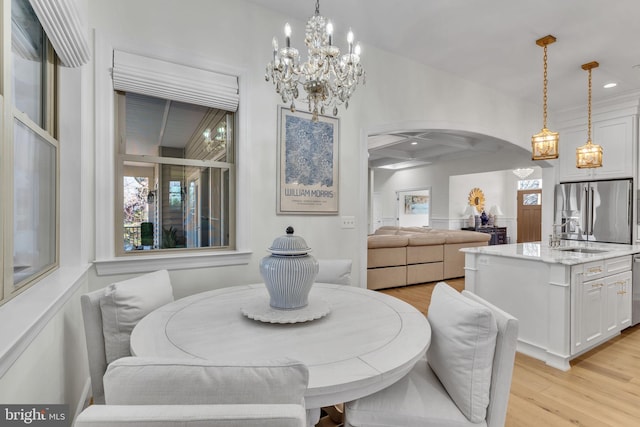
[[30, 137], [529, 184], [175, 161]]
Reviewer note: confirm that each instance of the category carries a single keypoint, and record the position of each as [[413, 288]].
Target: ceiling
[[492, 42], [152, 123]]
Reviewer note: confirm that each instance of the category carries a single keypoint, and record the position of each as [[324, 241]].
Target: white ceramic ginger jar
[[289, 272]]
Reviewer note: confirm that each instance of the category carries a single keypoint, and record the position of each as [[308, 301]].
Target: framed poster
[[414, 207], [307, 163]]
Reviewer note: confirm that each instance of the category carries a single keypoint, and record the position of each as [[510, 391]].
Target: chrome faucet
[[554, 238]]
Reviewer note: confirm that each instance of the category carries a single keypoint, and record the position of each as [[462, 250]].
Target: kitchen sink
[[583, 250]]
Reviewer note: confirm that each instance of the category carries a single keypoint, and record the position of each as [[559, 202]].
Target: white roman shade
[[61, 21], [167, 80]]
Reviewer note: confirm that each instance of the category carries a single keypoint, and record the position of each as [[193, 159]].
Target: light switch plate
[[348, 222]]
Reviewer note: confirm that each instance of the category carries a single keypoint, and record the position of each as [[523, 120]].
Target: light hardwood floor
[[602, 388]]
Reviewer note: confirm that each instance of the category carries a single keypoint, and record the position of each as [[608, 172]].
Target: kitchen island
[[567, 299]]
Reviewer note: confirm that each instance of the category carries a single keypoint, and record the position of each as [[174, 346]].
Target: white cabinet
[[616, 136], [590, 314], [624, 299], [601, 301]]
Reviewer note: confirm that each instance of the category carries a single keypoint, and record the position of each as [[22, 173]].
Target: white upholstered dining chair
[[466, 377], [337, 271], [110, 315], [175, 392]]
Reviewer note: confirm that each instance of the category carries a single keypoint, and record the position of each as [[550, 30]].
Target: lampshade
[[469, 210], [589, 155], [544, 145], [495, 210]]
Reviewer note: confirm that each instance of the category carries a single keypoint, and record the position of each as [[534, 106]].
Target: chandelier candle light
[[216, 142], [328, 78], [589, 155], [544, 145]]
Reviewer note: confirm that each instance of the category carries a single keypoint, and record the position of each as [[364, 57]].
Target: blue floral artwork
[[308, 152]]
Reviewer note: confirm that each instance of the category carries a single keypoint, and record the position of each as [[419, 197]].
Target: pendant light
[[544, 145], [589, 155]]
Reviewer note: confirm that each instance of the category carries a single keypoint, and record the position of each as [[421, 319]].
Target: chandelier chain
[[589, 111], [544, 91], [317, 7]]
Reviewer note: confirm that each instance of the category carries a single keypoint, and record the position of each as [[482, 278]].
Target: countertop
[[537, 251]]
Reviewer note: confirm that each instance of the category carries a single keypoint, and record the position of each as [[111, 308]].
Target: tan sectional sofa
[[399, 256]]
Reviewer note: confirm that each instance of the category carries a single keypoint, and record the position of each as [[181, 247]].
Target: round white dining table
[[368, 341]]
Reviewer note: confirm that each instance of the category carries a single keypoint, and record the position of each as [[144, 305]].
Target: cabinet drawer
[[617, 265], [593, 270], [596, 269]]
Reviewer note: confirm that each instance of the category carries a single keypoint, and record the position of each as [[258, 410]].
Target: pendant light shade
[[589, 155], [544, 145]]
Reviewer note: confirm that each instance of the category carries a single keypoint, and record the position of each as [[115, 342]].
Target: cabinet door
[[616, 138], [610, 302], [592, 315], [623, 300]]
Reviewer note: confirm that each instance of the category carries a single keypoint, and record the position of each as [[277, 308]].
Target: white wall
[[417, 94], [445, 211], [497, 188], [399, 94], [42, 349], [52, 369], [240, 40]]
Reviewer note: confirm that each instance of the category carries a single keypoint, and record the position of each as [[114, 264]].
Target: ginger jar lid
[[289, 244]]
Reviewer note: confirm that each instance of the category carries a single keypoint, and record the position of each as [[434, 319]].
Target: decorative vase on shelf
[[289, 272], [484, 218]]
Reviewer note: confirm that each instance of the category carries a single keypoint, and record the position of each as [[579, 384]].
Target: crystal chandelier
[[544, 145], [522, 173], [216, 142], [328, 78], [589, 155]]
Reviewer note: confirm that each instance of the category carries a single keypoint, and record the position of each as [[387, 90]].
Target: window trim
[[48, 132], [121, 158], [106, 261]]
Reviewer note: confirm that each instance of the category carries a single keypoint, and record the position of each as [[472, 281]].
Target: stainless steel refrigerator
[[597, 211]]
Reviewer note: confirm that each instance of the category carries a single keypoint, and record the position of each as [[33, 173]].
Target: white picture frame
[[308, 163]]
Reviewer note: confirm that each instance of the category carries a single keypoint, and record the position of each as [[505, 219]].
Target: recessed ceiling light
[[414, 143], [610, 85]]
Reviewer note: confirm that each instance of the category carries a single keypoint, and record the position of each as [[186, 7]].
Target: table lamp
[[470, 212], [494, 212]]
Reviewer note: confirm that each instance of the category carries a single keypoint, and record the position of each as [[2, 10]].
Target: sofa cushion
[[463, 341], [388, 277], [463, 236], [426, 239], [125, 303], [386, 230], [386, 257], [417, 229], [387, 241]]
